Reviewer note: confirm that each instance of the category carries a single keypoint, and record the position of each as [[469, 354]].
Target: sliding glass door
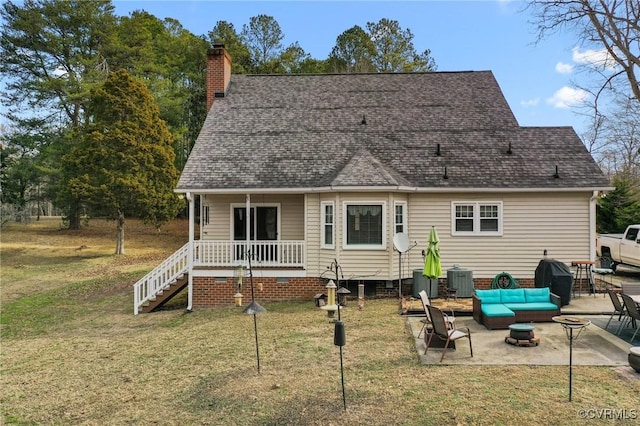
[[263, 226]]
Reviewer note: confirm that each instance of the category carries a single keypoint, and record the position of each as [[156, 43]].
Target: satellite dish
[[401, 242]]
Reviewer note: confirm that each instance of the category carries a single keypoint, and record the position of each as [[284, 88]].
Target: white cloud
[[530, 102], [563, 68], [566, 97], [598, 58]]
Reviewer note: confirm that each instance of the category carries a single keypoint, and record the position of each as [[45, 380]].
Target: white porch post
[[248, 235], [192, 219]]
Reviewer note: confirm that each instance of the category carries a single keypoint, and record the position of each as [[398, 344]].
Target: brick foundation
[[209, 291], [485, 283]]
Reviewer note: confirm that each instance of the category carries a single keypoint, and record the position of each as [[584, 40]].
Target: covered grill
[[556, 275]]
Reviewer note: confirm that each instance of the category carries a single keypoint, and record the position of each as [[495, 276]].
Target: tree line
[[104, 109], [63, 60]]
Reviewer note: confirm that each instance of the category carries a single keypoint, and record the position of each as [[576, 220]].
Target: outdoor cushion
[[497, 310], [489, 296], [512, 296], [533, 306], [537, 294]]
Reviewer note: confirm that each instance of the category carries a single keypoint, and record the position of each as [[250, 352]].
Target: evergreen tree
[[620, 207], [394, 49], [172, 63], [353, 52], [383, 47], [19, 176], [53, 53], [224, 32], [263, 37], [124, 160]]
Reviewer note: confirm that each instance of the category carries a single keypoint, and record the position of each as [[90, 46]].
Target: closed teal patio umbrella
[[432, 266]]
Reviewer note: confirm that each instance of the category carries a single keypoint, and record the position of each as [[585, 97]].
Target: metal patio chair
[[618, 308], [443, 332], [426, 322], [633, 312]]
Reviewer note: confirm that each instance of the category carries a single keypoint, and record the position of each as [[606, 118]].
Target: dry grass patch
[[73, 353]]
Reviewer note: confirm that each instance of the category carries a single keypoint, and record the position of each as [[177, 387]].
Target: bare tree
[[621, 139], [608, 31], [610, 25]]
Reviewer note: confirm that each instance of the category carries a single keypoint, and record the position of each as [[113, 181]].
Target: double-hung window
[[364, 224], [476, 218], [400, 217], [327, 214]]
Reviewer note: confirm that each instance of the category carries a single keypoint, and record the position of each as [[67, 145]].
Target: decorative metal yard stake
[[339, 336], [254, 309]]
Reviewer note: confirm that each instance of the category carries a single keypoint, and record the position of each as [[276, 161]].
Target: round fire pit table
[[521, 331], [521, 334]]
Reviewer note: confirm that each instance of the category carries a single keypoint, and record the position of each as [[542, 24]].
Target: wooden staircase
[[162, 283], [167, 293]]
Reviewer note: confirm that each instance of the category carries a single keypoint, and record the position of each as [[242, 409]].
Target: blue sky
[[536, 78]]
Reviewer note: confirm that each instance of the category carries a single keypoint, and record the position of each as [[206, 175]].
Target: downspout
[[306, 221], [592, 225], [190, 249]]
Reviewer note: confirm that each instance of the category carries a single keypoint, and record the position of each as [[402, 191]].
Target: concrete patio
[[594, 345]]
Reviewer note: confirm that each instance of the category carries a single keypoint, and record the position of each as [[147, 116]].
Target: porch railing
[[263, 253], [161, 276], [226, 254]]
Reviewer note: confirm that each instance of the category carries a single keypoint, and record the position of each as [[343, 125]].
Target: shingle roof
[[309, 131]]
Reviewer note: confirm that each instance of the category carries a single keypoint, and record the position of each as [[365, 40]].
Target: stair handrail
[[162, 275]]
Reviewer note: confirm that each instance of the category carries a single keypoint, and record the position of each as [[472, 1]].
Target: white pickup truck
[[620, 248]]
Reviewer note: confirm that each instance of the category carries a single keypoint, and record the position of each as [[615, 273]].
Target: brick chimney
[[218, 73]]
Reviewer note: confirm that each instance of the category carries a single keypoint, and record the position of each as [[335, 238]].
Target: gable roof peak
[[364, 169]]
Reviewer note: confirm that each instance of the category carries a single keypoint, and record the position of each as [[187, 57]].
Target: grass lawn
[[72, 352]]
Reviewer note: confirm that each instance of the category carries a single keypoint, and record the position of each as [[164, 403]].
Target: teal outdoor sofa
[[499, 308]]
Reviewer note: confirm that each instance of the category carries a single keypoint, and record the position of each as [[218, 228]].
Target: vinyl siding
[[373, 264], [291, 215], [532, 222]]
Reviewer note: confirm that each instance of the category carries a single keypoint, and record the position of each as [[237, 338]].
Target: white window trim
[[405, 225], [346, 246], [476, 218], [323, 224]]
